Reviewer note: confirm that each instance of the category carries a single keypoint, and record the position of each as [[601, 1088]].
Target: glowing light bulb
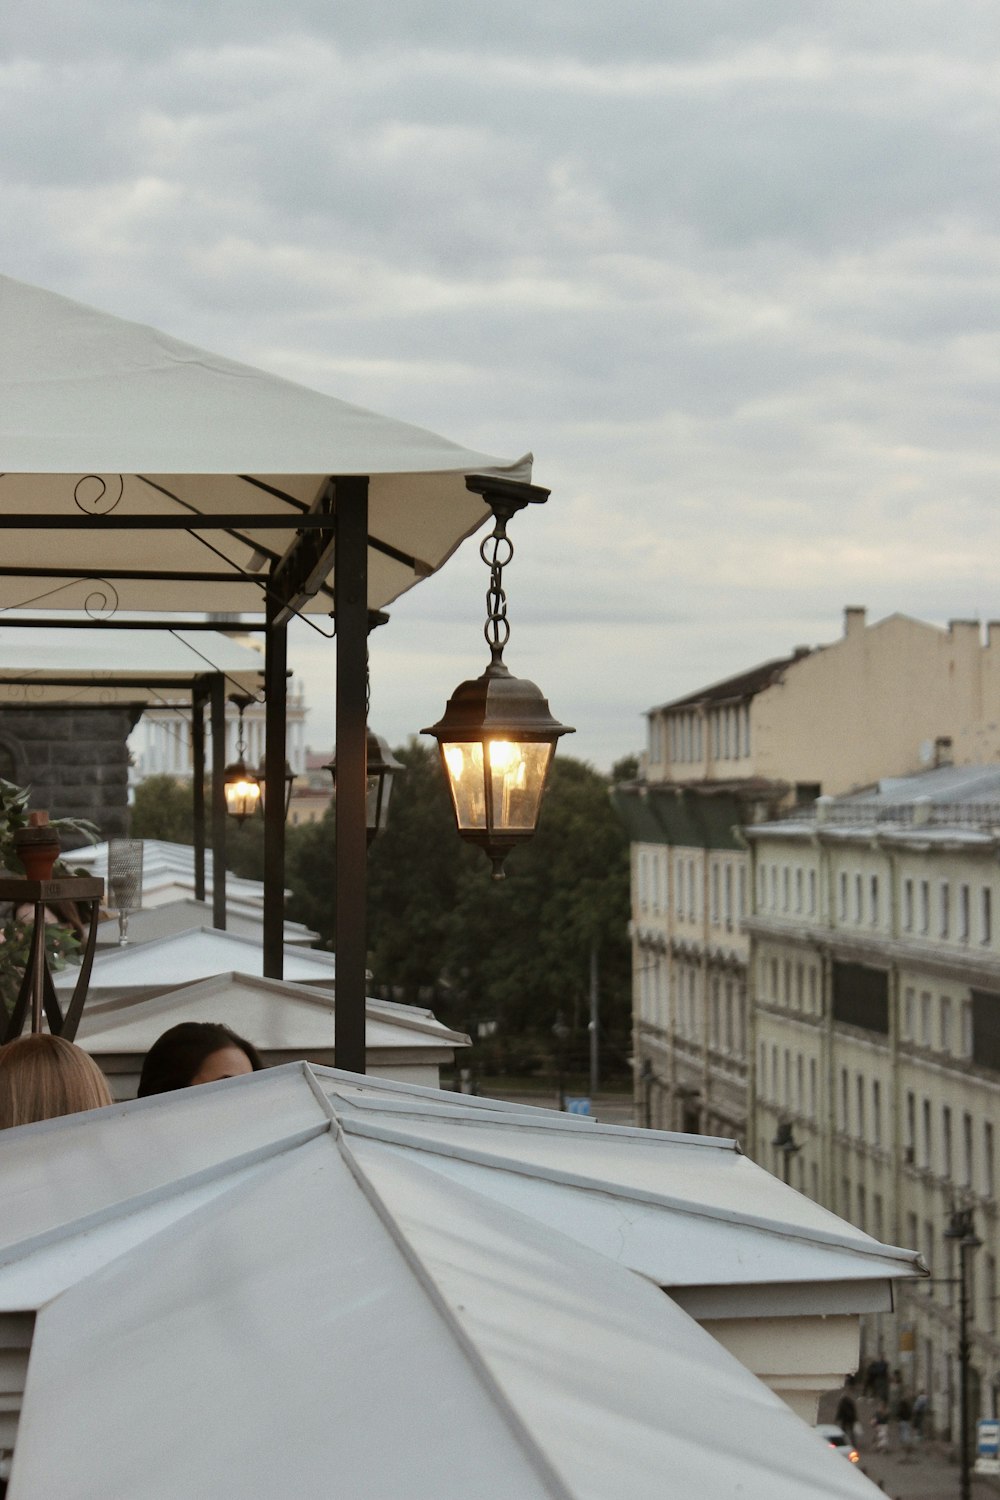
[[456, 762], [502, 754]]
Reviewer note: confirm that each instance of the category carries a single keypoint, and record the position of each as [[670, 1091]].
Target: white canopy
[[284, 1021], [197, 953], [85, 667], [237, 1304], [107, 417]]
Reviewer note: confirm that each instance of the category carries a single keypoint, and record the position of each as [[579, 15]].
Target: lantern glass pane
[[464, 765], [242, 798], [375, 815], [518, 772]]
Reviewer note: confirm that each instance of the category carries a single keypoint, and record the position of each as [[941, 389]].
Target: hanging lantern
[[241, 785], [497, 736], [381, 767]]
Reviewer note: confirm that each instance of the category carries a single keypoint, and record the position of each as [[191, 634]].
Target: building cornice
[[881, 951]]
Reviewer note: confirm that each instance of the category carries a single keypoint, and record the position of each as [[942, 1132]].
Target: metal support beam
[[275, 691], [199, 693], [351, 591], [218, 710]]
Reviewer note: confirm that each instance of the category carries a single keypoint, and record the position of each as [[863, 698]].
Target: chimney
[[854, 619]]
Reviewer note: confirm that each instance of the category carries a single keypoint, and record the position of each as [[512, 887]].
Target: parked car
[[832, 1434]]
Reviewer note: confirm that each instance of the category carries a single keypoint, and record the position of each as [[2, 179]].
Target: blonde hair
[[43, 1076]]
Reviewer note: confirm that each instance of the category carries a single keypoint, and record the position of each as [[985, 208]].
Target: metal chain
[[496, 551]]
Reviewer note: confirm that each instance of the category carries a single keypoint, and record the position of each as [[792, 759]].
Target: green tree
[[163, 809]]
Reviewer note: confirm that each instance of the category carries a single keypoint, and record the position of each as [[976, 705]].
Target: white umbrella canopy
[[102, 416], [223, 1300], [63, 667]]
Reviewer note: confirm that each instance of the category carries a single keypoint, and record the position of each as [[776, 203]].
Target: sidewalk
[[926, 1473]]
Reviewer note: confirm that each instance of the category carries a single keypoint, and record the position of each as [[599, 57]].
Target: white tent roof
[[136, 422], [184, 912], [279, 1018], [239, 1305], [170, 867], [57, 665], [184, 957]]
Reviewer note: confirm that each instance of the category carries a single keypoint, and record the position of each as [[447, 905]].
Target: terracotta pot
[[37, 849]]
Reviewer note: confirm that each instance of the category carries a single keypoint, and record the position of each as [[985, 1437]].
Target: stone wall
[[74, 759]]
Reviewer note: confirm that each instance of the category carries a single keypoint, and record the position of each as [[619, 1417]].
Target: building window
[[786, 876], [787, 997], [715, 893], [963, 913], [763, 1071], [911, 1127], [800, 1093], [945, 907], [798, 888], [858, 887], [925, 906], [774, 887], [842, 896], [862, 1215], [741, 894], [946, 1141], [844, 1086], [775, 993], [876, 1112], [812, 893], [908, 905], [812, 1087], [679, 885], [799, 986], [987, 1159], [966, 1037], [909, 1014], [860, 1091], [967, 1173], [928, 1136], [873, 900], [813, 1007], [925, 1018], [878, 1227], [727, 895], [945, 1023], [986, 914]]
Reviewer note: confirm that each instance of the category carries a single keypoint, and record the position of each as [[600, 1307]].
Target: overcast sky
[[730, 270]]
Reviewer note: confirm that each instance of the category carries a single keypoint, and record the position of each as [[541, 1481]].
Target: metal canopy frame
[[333, 537]]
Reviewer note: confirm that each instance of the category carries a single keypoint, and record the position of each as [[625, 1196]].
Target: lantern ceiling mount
[[497, 735]]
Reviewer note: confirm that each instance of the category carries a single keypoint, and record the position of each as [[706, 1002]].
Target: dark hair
[[175, 1057]]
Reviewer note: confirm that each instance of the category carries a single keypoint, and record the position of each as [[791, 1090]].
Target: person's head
[[43, 1076], [195, 1052]]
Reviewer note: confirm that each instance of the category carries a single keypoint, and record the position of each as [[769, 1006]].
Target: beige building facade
[[875, 1043], [893, 697]]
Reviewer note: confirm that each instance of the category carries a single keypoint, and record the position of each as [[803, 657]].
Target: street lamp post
[[962, 1231]]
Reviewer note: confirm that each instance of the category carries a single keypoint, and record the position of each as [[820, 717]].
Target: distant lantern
[[381, 768], [242, 786]]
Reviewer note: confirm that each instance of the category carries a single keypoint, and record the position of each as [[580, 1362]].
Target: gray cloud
[[731, 270]]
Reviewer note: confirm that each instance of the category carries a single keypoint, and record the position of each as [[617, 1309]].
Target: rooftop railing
[[920, 813]]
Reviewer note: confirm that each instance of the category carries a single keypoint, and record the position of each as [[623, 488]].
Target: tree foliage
[[163, 809]]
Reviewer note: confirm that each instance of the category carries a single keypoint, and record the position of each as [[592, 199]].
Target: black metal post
[[351, 594], [198, 785], [275, 734], [964, 1351], [961, 1232], [218, 715]]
